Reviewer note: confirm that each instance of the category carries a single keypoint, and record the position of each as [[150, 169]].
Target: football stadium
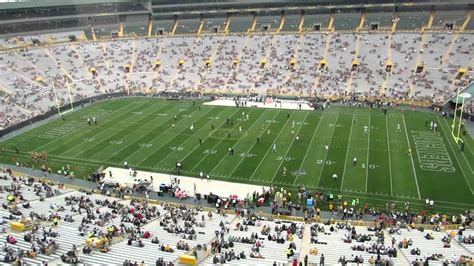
[[235, 132]]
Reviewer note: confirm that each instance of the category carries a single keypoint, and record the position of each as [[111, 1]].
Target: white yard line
[[270, 148], [456, 157], [467, 144], [389, 159], [241, 139], [147, 131], [469, 147], [216, 145], [85, 123], [46, 128], [243, 158], [154, 139], [326, 155], [347, 153], [411, 157], [309, 147], [162, 133], [375, 196], [189, 139], [367, 165], [289, 147], [99, 138]]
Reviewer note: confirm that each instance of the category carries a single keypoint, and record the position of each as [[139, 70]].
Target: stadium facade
[[103, 19]]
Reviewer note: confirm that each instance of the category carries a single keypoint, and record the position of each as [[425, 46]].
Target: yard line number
[[371, 166], [326, 162], [283, 158], [207, 151], [248, 155]]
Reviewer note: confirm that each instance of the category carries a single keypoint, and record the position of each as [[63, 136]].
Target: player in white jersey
[[240, 129], [398, 128], [274, 147], [191, 127], [366, 129]]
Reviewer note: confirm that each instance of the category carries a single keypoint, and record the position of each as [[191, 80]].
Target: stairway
[[400, 254], [306, 241], [361, 23], [301, 25], [254, 24], [175, 26], [282, 23], [150, 27], [394, 23], [466, 21]]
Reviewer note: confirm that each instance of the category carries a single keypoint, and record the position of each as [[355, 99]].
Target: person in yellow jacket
[[55, 221], [10, 198], [110, 230], [289, 253], [291, 237]]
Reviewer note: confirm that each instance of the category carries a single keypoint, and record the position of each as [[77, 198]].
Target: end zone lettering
[[432, 153]]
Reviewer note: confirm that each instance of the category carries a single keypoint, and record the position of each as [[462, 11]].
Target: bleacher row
[[30, 80], [329, 241], [333, 247], [469, 247], [69, 235], [271, 251], [430, 247], [331, 244]]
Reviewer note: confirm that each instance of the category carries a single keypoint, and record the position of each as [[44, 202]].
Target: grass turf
[[140, 131]]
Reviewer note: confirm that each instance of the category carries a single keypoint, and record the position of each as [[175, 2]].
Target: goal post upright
[[456, 129], [58, 107], [460, 122], [69, 93], [57, 98]]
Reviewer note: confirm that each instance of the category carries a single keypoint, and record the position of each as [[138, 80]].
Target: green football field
[[140, 131]]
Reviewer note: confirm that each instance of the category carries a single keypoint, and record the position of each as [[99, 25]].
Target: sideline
[[263, 212]]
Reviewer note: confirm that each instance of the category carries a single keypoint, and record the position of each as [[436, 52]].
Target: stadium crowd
[[135, 232], [32, 79], [105, 225]]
